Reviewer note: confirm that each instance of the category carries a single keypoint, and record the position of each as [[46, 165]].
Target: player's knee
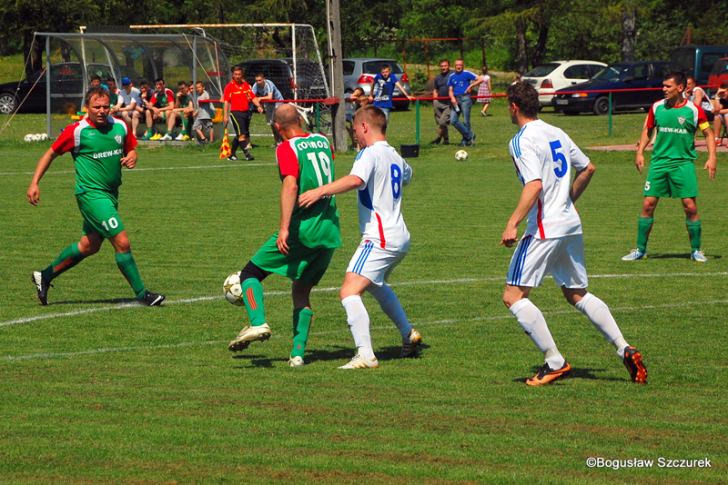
[[253, 271], [88, 247]]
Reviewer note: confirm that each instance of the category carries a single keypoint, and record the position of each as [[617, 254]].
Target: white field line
[[455, 281], [420, 323], [155, 169]]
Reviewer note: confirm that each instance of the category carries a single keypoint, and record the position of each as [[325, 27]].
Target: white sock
[[358, 320], [392, 308], [534, 324], [598, 312]]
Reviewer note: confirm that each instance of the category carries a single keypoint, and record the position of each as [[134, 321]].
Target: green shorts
[[679, 182], [99, 211], [301, 263]]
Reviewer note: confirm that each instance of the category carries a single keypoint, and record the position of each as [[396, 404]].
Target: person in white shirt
[[129, 100], [544, 157], [379, 173]]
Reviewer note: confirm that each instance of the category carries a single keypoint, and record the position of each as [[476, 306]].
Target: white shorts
[[373, 262], [562, 258]]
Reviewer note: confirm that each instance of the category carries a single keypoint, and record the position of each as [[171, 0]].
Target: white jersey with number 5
[[384, 172], [544, 152]]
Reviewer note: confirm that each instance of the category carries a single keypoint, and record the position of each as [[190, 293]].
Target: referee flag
[[225, 150]]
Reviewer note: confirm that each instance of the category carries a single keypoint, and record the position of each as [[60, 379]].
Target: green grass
[[116, 393], [12, 68]]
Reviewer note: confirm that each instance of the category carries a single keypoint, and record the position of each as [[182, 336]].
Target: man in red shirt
[[237, 97]]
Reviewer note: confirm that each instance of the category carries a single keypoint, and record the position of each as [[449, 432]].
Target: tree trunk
[[521, 45], [540, 50], [629, 32]]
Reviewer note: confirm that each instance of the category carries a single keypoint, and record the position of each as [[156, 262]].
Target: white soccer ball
[[28, 138], [232, 289], [43, 136], [461, 155], [37, 137]]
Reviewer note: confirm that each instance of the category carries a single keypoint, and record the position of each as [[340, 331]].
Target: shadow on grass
[[98, 300], [576, 373], [679, 256], [343, 354]]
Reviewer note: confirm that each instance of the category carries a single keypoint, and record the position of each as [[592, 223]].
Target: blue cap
[[125, 81]]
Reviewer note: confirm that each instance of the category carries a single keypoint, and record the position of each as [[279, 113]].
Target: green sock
[[253, 298], [68, 258], [644, 226], [128, 267], [694, 231], [185, 125], [302, 318]]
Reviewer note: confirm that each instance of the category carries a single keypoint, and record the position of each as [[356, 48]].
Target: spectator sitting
[[127, 106], [113, 93], [696, 94], [266, 90], [203, 115], [184, 109], [720, 109], [160, 107]]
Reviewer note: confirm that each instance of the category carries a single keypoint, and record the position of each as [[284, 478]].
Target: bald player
[[304, 244]]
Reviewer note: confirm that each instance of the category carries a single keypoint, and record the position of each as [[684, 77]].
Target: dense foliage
[[509, 34]]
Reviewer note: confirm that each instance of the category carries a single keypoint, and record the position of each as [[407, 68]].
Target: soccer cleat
[[180, 137], [546, 375], [436, 141], [166, 137], [633, 363], [147, 135], [248, 156], [296, 361], [634, 255], [152, 299], [471, 142], [412, 347], [155, 136], [359, 362], [463, 143], [247, 335], [698, 256], [232, 158], [41, 286]]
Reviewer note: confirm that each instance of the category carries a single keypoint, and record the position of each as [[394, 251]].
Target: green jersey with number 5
[[309, 158]]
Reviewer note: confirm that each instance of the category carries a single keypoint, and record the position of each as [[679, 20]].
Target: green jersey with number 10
[[310, 160]]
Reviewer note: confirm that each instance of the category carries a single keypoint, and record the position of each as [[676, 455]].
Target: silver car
[[360, 72]]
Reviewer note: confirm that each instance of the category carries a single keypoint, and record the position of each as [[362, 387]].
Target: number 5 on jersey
[[561, 165]]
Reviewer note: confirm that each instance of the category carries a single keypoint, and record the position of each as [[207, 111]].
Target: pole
[[609, 131], [417, 121], [339, 113], [48, 86]]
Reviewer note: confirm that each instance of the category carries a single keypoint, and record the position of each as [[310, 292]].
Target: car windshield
[[376, 66], [720, 66], [542, 70], [612, 73]]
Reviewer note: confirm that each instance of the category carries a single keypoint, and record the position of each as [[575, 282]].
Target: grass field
[[97, 389]]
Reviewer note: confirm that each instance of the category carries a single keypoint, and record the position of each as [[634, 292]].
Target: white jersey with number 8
[[384, 173], [544, 152]]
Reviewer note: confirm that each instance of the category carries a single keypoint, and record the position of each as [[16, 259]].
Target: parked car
[[623, 75], [697, 60], [360, 72], [307, 84], [719, 73], [549, 77], [66, 78]]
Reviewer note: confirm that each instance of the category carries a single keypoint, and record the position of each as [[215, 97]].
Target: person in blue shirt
[[265, 90], [382, 88], [461, 84]]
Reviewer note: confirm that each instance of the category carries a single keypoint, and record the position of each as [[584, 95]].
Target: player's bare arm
[[226, 113], [402, 90], [344, 184], [711, 165], [33, 193], [258, 105], [581, 181], [130, 159], [529, 195], [289, 191], [639, 159]]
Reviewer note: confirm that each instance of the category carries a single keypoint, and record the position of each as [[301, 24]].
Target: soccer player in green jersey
[[100, 146], [306, 239], [672, 166]]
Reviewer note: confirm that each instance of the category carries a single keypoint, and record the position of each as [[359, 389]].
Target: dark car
[[719, 74], [66, 79], [697, 60], [307, 83], [624, 75]]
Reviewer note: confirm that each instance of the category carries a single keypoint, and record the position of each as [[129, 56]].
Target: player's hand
[[33, 194], [509, 237], [130, 160], [308, 198], [639, 162], [260, 109], [282, 241], [711, 166], [225, 120]]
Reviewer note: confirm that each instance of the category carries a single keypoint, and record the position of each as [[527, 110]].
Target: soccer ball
[[28, 138], [461, 155], [232, 289]]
